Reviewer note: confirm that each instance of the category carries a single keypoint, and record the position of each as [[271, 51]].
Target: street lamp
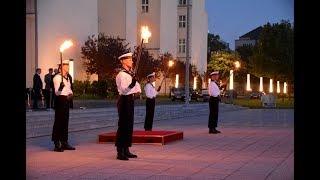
[[248, 83], [237, 65], [285, 88], [271, 86], [170, 64], [145, 35], [278, 87], [177, 81], [261, 84]]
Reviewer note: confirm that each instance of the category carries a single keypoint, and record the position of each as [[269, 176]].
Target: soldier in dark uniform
[[214, 92], [49, 88], [37, 88], [62, 88], [151, 94], [127, 86]]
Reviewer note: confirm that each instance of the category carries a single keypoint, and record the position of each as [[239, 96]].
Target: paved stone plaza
[[254, 144]]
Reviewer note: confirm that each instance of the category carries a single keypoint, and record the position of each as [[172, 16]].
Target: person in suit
[[49, 88], [37, 88]]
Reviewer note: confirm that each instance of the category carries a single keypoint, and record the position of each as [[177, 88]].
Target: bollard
[[29, 99]]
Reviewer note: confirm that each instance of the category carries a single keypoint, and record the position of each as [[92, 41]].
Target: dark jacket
[[37, 83], [48, 79]]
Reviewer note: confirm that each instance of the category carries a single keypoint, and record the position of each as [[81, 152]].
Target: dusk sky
[[233, 18]]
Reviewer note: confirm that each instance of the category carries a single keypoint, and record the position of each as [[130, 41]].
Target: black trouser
[[49, 98], [214, 109], [150, 104], [125, 106], [36, 97], [61, 119]]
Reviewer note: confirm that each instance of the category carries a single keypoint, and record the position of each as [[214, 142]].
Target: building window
[[182, 45], [145, 6], [182, 21], [182, 2]]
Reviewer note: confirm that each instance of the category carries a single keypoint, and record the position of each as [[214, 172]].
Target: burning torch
[[145, 35], [65, 45]]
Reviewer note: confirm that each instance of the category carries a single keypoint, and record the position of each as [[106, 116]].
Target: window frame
[[182, 45], [144, 6], [182, 21]]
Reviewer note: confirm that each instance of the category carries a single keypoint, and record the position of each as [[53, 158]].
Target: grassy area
[[256, 103]]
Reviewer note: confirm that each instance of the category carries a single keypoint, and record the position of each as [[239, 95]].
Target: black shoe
[[57, 146], [213, 131], [218, 131], [129, 154], [66, 146], [121, 156]]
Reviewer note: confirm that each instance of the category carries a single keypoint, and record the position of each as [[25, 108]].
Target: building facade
[[248, 39], [50, 22]]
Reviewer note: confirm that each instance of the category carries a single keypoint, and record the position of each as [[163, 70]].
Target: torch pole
[[138, 58]]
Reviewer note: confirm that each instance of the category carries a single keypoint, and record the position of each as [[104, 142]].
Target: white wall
[[168, 27], [30, 42], [59, 20], [182, 32], [199, 31], [112, 17], [30, 49], [131, 23]]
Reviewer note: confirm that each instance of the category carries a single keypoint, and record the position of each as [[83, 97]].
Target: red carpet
[[153, 137]]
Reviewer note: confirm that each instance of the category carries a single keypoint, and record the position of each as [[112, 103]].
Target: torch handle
[[138, 58]]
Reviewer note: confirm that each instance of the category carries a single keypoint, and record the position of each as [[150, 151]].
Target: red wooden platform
[[152, 137]]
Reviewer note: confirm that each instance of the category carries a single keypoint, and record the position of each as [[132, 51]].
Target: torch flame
[[145, 33], [66, 44], [171, 63]]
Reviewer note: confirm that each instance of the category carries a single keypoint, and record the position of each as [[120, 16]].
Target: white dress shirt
[[150, 90], [67, 86], [123, 81], [213, 89]]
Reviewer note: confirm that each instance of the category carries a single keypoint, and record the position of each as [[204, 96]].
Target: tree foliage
[[273, 55], [179, 67], [215, 44], [223, 62], [100, 55], [147, 64]]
